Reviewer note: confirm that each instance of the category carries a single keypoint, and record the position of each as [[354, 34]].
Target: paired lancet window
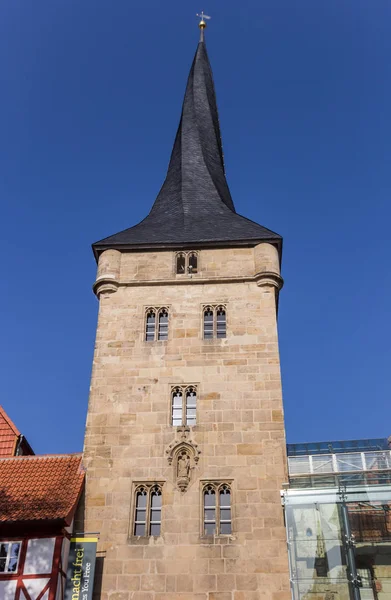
[[215, 321], [147, 510], [186, 262], [217, 509], [156, 324], [183, 405]]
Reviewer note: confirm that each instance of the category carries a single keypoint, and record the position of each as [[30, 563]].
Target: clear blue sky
[[90, 100]]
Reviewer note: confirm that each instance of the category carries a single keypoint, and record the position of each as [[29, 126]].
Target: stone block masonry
[[239, 429]]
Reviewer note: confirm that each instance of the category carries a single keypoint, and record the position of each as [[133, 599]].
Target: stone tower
[[185, 446]]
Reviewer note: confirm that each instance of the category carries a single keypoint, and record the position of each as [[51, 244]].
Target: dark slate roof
[[194, 205]]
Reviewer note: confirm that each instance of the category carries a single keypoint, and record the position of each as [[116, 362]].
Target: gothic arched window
[[155, 520], [221, 322], [183, 405], [147, 510], [177, 407], [208, 322], [193, 262], [162, 333], [225, 509], [217, 509], [209, 510], [191, 406], [186, 262], [156, 324], [180, 263], [150, 324], [214, 322], [140, 518]]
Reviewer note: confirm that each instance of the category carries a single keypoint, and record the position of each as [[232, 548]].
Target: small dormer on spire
[[202, 24]]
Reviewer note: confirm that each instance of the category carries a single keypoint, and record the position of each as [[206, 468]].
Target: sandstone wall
[[239, 431]]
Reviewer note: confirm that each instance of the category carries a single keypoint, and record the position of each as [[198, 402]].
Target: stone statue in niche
[[183, 464], [183, 454], [183, 470]]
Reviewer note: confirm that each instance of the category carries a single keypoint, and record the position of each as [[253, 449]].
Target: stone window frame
[[214, 307], [149, 487], [217, 485], [157, 311], [184, 387], [9, 557], [187, 254]]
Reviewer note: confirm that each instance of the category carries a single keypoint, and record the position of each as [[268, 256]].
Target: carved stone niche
[[183, 454]]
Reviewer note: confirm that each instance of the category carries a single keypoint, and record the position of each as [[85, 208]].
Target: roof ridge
[[42, 456]]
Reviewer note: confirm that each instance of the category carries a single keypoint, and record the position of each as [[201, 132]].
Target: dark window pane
[[180, 263], [155, 528], [2, 565], [3, 550], [225, 528], [193, 263], [210, 528], [139, 529]]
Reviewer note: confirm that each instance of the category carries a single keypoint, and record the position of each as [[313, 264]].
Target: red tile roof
[[9, 435], [40, 487]]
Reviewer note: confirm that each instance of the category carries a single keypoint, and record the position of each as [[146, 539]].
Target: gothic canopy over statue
[[194, 205]]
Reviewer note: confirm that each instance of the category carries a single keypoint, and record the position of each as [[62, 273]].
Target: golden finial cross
[[202, 23]]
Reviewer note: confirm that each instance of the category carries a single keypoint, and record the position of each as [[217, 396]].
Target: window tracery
[[186, 262], [156, 324], [147, 518], [216, 503], [214, 321], [183, 405]]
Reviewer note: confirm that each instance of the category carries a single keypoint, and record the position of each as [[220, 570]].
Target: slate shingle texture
[[194, 205], [34, 488]]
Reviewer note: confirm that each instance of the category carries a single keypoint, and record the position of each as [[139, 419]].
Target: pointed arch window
[[181, 263], [183, 405], [216, 498], [214, 321], [156, 324], [147, 510], [186, 262], [162, 333]]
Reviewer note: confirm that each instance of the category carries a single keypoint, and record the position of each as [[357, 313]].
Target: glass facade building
[[338, 519]]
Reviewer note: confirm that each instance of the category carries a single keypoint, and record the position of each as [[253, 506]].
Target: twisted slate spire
[[194, 205]]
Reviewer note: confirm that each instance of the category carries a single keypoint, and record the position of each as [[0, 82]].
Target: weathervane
[[202, 24]]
